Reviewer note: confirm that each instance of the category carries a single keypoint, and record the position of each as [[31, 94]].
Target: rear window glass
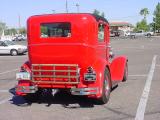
[[55, 30]]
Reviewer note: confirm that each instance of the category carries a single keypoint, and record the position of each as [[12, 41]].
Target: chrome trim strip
[[65, 65], [54, 70], [52, 76], [84, 91], [54, 82]]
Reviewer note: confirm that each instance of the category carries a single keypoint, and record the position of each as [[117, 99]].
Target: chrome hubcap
[[107, 87], [14, 53], [126, 72]]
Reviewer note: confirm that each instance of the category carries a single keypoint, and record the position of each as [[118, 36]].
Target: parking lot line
[[8, 71], [4, 101], [138, 75], [145, 94]]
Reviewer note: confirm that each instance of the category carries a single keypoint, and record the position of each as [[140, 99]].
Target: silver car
[[9, 47]]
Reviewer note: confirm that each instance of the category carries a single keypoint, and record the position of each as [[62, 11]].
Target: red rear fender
[[117, 68], [100, 66]]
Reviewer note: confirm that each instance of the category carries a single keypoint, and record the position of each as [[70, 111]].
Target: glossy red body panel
[[118, 67], [82, 48]]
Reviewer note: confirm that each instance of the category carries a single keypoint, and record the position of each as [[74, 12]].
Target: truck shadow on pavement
[[66, 100], [63, 98]]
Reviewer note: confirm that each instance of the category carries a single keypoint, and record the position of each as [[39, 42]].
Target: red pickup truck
[[70, 52]]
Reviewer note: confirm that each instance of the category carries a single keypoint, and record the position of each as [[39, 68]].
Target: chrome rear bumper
[[84, 91], [26, 89]]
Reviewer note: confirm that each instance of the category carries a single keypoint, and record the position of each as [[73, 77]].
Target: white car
[[9, 47], [127, 33], [141, 33]]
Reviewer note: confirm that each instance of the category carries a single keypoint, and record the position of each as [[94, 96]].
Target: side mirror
[[111, 54]]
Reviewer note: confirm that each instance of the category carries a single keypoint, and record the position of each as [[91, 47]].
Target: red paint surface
[[81, 48]]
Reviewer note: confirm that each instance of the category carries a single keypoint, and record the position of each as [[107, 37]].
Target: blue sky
[[119, 10]]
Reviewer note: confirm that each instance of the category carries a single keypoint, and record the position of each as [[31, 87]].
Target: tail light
[[23, 69]]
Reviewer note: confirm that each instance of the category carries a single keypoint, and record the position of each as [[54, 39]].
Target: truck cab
[[70, 52]]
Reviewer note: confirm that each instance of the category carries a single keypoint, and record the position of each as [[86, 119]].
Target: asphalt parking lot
[[138, 98]]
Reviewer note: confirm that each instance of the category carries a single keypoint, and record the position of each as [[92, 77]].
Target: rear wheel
[[132, 36], [125, 77], [14, 52], [106, 88], [149, 35]]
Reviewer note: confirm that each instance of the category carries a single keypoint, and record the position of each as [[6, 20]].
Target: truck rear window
[[55, 30]]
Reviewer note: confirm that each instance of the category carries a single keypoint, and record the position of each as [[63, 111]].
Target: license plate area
[[90, 76], [23, 76]]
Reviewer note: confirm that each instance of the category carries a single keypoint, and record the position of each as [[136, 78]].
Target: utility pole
[[53, 11], [19, 23], [66, 6], [77, 5], [154, 27]]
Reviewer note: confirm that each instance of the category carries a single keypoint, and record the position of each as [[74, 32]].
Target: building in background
[[120, 28]]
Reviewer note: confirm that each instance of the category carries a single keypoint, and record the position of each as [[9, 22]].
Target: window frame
[[103, 39], [62, 35]]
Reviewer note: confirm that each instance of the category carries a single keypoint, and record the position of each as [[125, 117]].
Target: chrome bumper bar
[[84, 91], [27, 89]]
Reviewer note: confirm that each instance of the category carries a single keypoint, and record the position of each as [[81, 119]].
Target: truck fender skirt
[[117, 68]]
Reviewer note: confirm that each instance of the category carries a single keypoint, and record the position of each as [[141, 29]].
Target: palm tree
[[2, 27], [144, 12]]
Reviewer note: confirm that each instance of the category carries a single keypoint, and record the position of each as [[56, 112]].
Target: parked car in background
[[114, 33], [127, 33], [9, 47], [141, 33], [117, 33], [19, 37], [6, 37]]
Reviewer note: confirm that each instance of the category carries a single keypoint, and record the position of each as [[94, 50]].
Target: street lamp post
[[19, 23], [53, 11], [66, 6], [77, 5], [154, 27]]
